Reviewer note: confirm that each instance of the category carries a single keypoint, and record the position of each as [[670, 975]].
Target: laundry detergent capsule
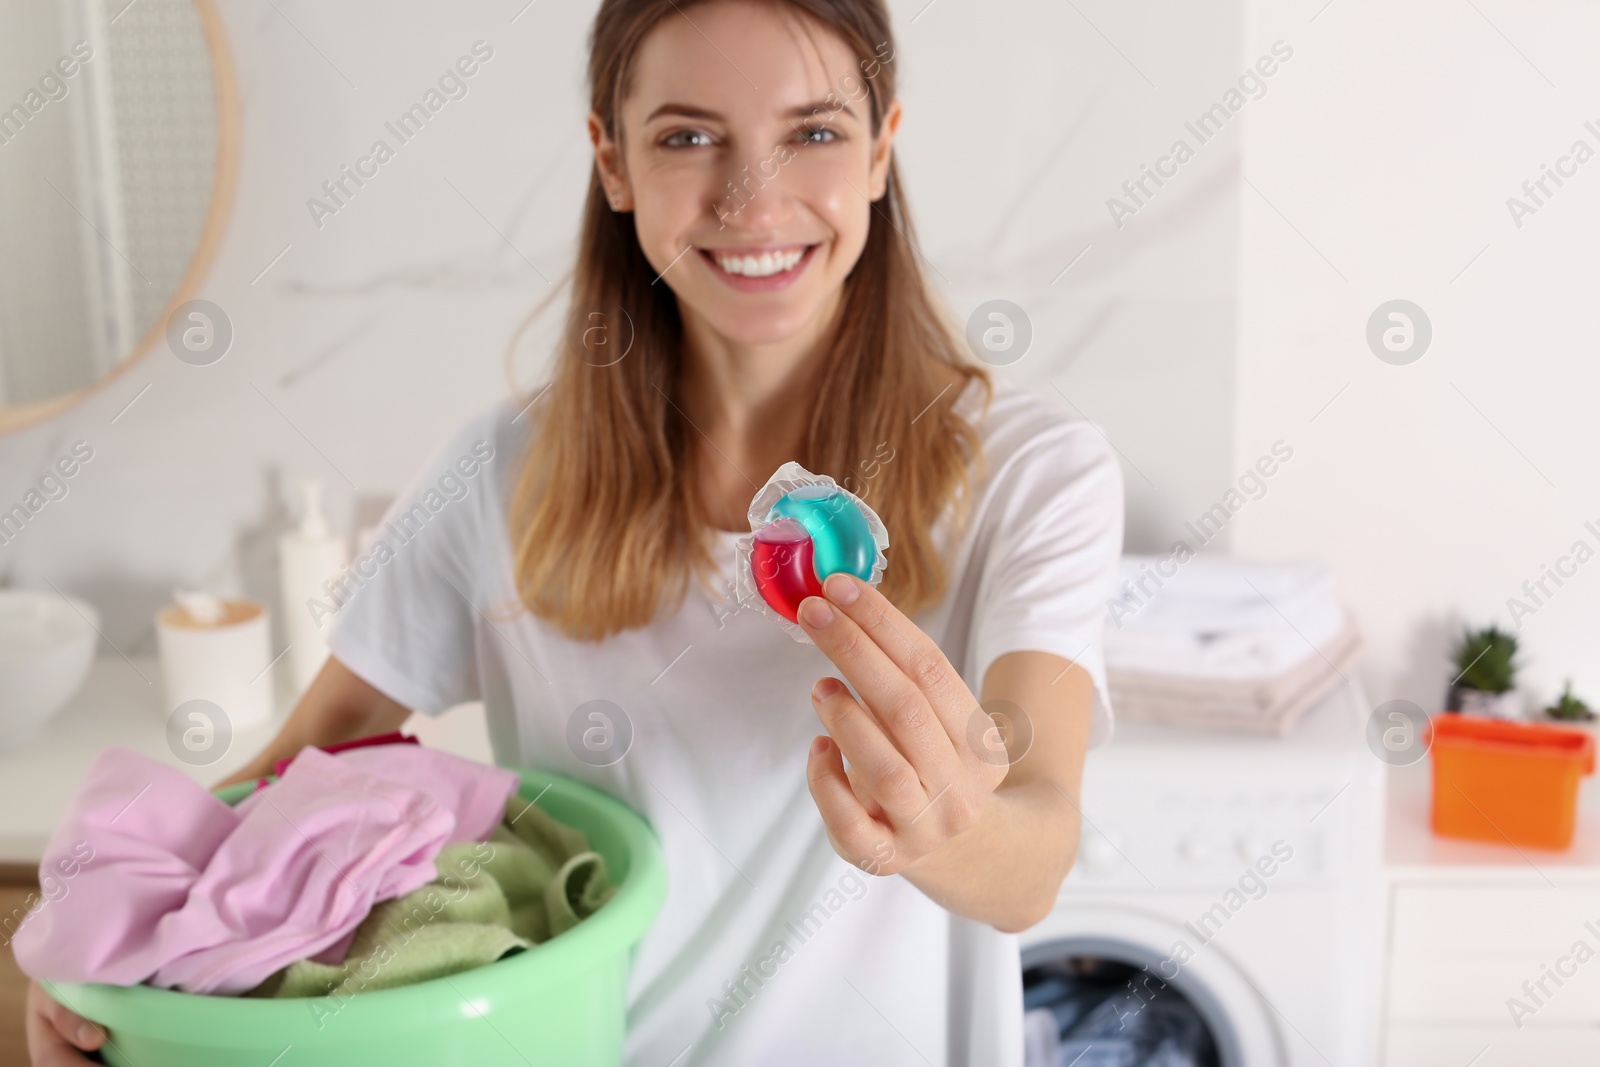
[[815, 531], [804, 527]]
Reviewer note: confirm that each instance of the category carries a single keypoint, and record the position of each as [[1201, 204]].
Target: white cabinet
[[1491, 1046], [1493, 953], [1494, 956]]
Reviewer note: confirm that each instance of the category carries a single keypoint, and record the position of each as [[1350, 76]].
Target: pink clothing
[[394, 737], [186, 892]]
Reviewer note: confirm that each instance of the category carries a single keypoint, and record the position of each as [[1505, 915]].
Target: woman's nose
[[753, 194]]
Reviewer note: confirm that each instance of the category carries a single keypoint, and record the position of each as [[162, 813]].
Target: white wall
[[1025, 119], [1387, 145], [360, 349], [1435, 489]]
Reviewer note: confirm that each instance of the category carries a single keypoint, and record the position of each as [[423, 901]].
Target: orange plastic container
[[1501, 781]]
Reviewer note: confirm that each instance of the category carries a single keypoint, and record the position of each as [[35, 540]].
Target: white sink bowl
[[47, 642]]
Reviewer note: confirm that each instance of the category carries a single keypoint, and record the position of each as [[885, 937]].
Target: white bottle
[[308, 557]]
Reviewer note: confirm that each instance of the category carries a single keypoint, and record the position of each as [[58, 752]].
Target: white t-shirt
[[770, 950]]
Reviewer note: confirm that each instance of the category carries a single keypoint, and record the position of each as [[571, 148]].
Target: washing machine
[[1226, 894]]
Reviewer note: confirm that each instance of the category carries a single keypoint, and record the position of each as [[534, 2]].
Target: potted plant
[[1486, 674], [1569, 708]]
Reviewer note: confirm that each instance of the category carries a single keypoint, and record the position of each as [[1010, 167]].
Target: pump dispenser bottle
[[308, 556]]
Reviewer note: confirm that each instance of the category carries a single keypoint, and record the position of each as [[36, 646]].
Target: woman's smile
[[758, 268]]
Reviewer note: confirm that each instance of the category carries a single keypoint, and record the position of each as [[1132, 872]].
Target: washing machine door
[[1240, 1022]]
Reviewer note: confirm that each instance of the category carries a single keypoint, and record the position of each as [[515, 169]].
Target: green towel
[[534, 878]]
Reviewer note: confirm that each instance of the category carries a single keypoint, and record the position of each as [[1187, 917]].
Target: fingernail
[[824, 688], [86, 1034], [841, 589], [819, 745], [815, 612]]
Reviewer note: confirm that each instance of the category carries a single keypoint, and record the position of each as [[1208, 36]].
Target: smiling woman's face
[[758, 254]]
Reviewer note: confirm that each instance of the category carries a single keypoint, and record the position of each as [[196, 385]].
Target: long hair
[[607, 524]]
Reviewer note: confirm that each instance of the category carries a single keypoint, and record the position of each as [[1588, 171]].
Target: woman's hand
[[923, 757], [55, 1035], [337, 706]]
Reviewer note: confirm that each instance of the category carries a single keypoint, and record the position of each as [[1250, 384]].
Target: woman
[[747, 292]]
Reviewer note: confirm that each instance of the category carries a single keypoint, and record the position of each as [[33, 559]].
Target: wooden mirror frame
[[218, 211]]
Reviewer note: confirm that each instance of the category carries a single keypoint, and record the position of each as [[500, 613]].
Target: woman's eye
[[816, 134], [687, 139]]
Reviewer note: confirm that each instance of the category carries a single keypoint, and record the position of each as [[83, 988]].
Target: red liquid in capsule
[[781, 562]]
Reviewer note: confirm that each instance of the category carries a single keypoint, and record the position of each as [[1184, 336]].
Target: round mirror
[[117, 150]]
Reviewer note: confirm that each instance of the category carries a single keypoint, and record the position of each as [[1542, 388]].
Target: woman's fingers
[[56, 1034], [881, 771], [854, 832], [894, 700], [913, 654], [908, 737]]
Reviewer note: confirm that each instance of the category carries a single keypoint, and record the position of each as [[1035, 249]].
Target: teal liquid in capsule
[[841, 539]]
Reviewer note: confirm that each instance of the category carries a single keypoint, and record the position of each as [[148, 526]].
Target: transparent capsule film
[[791, 520]]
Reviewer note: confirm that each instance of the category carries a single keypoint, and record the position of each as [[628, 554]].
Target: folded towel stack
[[1218, 643]]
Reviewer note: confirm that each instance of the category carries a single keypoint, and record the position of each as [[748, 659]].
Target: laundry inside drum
[[1095, 1011]]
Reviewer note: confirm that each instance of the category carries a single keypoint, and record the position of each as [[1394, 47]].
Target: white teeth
[[763, 266]]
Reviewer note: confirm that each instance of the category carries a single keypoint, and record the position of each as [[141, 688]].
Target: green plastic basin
[[559, 1004]]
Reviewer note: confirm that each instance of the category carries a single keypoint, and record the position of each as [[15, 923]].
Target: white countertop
[[118, 706], [1411, 849]]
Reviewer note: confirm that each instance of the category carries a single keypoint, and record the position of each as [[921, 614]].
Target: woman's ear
[[883, 149], [608, 160]]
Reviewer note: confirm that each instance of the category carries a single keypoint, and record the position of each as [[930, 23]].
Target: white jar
[[224, 661]]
